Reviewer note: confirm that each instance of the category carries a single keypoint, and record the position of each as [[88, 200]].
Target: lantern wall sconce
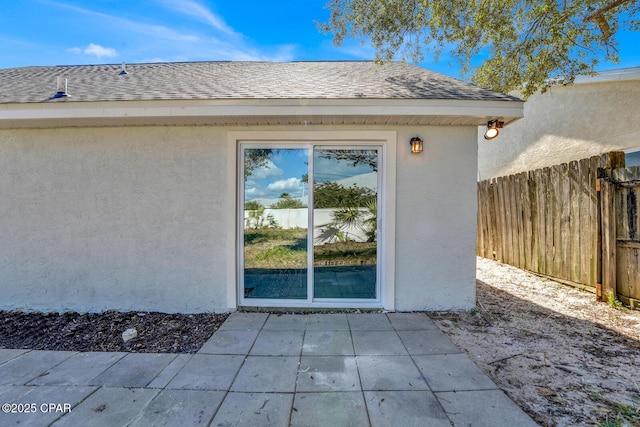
[[492, 129], [416, 144]]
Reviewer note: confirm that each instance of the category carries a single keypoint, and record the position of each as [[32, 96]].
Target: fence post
[[608, 227]]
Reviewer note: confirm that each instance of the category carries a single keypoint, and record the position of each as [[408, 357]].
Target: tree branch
[[597, 14]]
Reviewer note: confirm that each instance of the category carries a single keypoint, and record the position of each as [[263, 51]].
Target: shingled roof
[[236, 80], [246, 93]]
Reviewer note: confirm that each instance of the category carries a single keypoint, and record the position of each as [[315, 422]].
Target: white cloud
[[269, 170], [356, 49], [290, 185], [177, 41], [100, 51], [123, 24], [94, 50], [196, 10], [253, 192], [271, 194]]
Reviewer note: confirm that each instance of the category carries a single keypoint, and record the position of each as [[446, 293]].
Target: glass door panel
[[276, 222], [345, 223]]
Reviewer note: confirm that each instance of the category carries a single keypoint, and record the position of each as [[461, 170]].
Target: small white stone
[[129, 334]]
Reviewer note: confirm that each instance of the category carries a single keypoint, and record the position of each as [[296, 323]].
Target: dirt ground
[[156, 332], [563, 357]]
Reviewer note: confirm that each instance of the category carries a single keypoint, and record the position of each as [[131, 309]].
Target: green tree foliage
[[364, 219], [355, 157], [286, 202], [252, 205], [256, 217], [256, 158], [349, 218], [333, 195], [528, 44]]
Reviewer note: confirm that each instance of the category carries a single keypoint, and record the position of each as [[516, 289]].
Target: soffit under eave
[[275, 112], [404, 120]]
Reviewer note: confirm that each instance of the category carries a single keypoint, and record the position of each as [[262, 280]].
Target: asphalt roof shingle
[[237, 80]]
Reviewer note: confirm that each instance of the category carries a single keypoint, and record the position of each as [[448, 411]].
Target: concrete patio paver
[[427, 342], [372, 343], [11, 393], [411, 322], [278, 343], [487, 408], [329, 409], [405, 408], [109, 406], [79, 369], [244, 322], [327, 322], [255, 410], [133, 370], [171, 370], [390, 373], [369, 322], [328, 373], [452, 372], [43, 395], [207, 372], [180, 408], [266, 374], [7, 354], [230, 342], [328, 343], [259, 369], [26, 367], [285, 322]]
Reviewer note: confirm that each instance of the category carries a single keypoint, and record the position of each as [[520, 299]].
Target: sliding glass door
[[276, 220], [310, 224], [345, 223]]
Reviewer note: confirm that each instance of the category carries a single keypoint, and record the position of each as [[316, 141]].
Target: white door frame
[[386, 140]]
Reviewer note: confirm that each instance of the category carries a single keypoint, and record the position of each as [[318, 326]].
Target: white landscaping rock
[[129, 334]]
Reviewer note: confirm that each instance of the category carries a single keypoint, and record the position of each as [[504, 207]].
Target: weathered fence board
[[554, 222], [627, 204], [596, 243], [575, 224], [607, 198]]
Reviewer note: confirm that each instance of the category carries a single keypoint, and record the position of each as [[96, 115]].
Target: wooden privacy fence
[[553, 222], [620, 198]]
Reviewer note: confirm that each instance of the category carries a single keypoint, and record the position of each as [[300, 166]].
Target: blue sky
[[283, 174], [63, 32]]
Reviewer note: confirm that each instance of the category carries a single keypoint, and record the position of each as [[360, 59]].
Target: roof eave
[[259, 111]]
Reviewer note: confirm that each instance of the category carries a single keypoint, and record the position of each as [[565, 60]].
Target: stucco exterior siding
[[436, 220], [143, 218], [124, 218], [566, 123]]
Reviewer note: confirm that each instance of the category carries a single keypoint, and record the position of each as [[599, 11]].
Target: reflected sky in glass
[[284, 172]]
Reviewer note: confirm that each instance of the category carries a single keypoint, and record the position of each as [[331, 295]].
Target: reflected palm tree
[[349, 219]]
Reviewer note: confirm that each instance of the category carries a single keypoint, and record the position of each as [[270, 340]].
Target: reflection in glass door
[[275, 223], [291, 252], [345, 223]]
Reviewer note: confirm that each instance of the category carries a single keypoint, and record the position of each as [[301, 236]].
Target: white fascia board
[[260, 108], [610, 75]]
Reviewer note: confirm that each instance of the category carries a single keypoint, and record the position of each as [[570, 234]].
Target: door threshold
[[306, 310]]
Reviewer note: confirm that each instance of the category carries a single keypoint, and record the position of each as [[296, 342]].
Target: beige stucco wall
[[436, 220], [125, 218], [566, 123], [138, 218]]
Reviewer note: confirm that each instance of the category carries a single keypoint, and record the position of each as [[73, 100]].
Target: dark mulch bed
[[157, 332]]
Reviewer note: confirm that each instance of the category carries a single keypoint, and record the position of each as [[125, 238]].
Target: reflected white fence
[[298, 218]]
